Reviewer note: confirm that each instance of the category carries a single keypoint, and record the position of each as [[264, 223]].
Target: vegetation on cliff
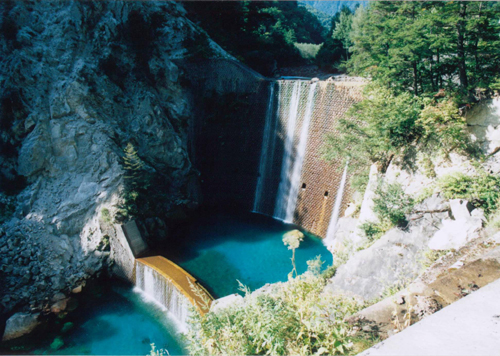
[[425, 59], [295, 318], [261, 34]]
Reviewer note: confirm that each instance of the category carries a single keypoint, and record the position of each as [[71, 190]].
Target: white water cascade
[[332, 226], [299, 157], [162, 291], [267, 152], [280, 207]]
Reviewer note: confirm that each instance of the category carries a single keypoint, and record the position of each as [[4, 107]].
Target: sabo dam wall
[[257, 143]]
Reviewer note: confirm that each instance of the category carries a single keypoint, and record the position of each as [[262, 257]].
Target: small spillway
[[280, 207], [267, 151], [170, 286], [332, 226], [299, 157]]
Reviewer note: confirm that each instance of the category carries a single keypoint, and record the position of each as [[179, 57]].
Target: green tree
[[426, 46], [334, 50], [260, 33], [342, 31], [136, 183], [387, 126]]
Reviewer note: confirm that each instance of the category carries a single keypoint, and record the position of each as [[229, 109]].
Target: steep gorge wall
[[79, 80], [230, 104]]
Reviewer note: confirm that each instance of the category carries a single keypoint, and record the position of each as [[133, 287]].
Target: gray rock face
[[18, 325], [464, 228], [79, 81], [393, 259]]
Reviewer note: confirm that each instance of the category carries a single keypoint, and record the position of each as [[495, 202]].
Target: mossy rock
[[57, 343], [67, 327]]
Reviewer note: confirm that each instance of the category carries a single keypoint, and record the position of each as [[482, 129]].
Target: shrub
[[392, 204], [359, 181], [373, 231], [482, 190], [136, 179], [297, 318], [389, 127], [105, 215], [431, 256], [444, 130]]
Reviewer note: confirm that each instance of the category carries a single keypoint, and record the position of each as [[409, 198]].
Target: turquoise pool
[[220, 249], [118, 321]]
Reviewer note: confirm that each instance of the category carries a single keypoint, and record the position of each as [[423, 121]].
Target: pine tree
[[134, 167]]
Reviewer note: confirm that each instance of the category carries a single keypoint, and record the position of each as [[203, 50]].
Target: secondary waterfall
[[267, 151], [299, 157], [284, 186], [332, 226], [162, 291]]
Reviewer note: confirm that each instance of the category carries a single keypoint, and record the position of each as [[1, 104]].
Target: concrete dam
[[258, 144]]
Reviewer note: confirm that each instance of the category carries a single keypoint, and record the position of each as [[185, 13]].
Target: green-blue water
[[221, 249], [119, 322]]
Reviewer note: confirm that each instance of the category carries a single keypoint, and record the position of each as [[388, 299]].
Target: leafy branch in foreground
[[297, 317], [387, 127]]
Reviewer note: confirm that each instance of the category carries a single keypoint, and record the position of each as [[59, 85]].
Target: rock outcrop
[[79, 80], [19, 324], [392, 261]]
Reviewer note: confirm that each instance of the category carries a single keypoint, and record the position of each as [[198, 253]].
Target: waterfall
[[299, 157], [284, 185], [267, 151], [162, 291], [332, 226]]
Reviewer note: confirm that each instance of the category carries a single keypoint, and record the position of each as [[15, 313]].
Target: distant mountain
[[332, 7]]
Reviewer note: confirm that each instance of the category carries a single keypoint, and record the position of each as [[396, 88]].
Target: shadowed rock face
[[79, 80]]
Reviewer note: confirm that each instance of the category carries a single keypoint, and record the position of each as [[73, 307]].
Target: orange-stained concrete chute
[[181, 279]]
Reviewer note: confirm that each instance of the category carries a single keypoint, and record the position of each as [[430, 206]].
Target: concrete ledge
[[179, 278], [470, 326]]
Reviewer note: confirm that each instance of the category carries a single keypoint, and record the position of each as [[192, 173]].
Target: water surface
[[221, 249], [114, 321]]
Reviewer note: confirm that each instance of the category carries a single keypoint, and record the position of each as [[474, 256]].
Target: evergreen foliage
[[426, 46], [392, 205], [260, 33], [387, 126], [136, 181], [482, 190], [335, 49]]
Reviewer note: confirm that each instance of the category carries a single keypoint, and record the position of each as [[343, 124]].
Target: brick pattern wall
[[320, 180], [230, 112]]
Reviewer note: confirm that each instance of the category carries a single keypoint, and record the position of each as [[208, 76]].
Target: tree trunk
[[462, 70], [415, 77]]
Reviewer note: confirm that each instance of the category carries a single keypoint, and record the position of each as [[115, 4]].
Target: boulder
[[19, 324], [456, 233], [392, 260], [460, 209], [496, 238], [345, 228], [77, 290], [59, 306]]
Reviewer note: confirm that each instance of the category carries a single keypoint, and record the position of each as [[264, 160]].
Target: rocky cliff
[[79, 81]]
